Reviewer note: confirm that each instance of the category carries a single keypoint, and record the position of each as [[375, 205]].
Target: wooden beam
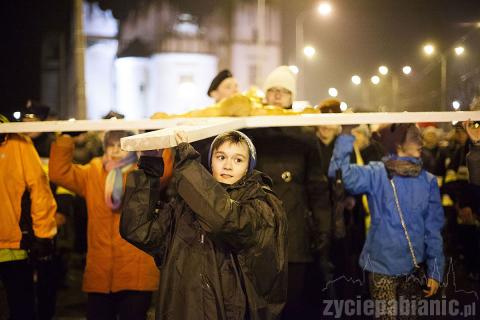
[[249, 122], [359, 118], [165, 138], [105, 125]]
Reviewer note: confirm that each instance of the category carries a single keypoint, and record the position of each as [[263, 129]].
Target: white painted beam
[[359, 118], [250, 122], [165, 138]]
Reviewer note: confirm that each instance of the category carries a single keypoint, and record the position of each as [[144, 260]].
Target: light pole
[[323, 9], [430, 50]]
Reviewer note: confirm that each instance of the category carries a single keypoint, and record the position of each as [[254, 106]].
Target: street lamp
[[383, 70], [343, 106], [456, 105], [324, 9], [309, 51], [356, 80], [428, 49], [375, 80], [332, 92], [407, 70], [459, 50]]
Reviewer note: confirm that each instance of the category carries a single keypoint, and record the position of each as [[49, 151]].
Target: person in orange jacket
[[118, 277], [21, 171]]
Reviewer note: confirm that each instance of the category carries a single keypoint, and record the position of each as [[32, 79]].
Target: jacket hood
[[255, 177]]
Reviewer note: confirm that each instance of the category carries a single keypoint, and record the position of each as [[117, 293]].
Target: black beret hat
[[222, 75]]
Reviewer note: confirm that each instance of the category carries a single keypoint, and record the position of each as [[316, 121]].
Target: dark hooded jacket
[[221, 248]]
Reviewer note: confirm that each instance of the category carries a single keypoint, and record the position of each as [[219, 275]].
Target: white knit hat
[[282, 77]]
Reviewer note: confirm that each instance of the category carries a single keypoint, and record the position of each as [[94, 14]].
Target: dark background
[[356, 39]]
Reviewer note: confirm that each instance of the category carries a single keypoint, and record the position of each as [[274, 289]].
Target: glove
[[152, 166], [41, 249]]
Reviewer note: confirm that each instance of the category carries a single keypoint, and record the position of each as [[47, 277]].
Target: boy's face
[[230, 162]]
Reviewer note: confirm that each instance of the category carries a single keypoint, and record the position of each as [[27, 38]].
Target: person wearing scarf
[[116, 162], [118, 278], [386, 254]]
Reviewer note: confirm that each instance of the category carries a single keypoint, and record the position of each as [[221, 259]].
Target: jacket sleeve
[[318, 194], [237, 224], [356, 179], [145, 221], [61, 169], [43, 205], [434, 222]]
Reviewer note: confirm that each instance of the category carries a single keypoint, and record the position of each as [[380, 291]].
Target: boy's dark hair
[[235, 137]]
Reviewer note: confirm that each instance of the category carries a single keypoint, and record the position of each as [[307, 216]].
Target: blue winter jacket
[[386, 249]]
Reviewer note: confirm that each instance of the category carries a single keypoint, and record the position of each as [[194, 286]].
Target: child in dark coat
[[221, 244]]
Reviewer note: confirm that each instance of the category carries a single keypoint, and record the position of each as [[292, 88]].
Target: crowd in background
[[72, 225]]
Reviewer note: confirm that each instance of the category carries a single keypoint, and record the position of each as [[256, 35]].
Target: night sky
[[361, 35]]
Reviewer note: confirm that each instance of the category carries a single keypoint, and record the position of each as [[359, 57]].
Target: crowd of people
[[260, 224]]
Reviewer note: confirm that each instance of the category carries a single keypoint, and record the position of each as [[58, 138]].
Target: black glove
[[152, 166], [41, 249]]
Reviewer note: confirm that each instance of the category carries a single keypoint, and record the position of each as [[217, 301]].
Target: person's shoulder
[[19, 138]]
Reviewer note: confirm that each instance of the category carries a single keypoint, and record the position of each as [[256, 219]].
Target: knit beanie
[[282, 77], [394, 135]]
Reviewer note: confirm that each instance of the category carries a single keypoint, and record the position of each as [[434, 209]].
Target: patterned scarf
[[402, 167], [114, 180]]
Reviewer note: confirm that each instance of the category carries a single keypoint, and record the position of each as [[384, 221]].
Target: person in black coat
[[291, 157]]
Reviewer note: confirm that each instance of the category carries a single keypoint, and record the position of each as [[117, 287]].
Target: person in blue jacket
[[393, 250]]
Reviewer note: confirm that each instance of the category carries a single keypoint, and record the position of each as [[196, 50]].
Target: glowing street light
[[459, 50], [375, 80], [456, 105], [17, 115], [294, 69], [428, 49], [356, 80], [309, 51], [407, 70], [324, 8], [332, 92], [383, 70], [343, 106]]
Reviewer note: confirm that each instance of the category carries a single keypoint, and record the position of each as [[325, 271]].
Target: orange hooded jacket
[[20, 170]]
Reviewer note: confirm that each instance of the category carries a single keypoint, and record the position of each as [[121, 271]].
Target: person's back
[[21, 170], [221, 244]]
